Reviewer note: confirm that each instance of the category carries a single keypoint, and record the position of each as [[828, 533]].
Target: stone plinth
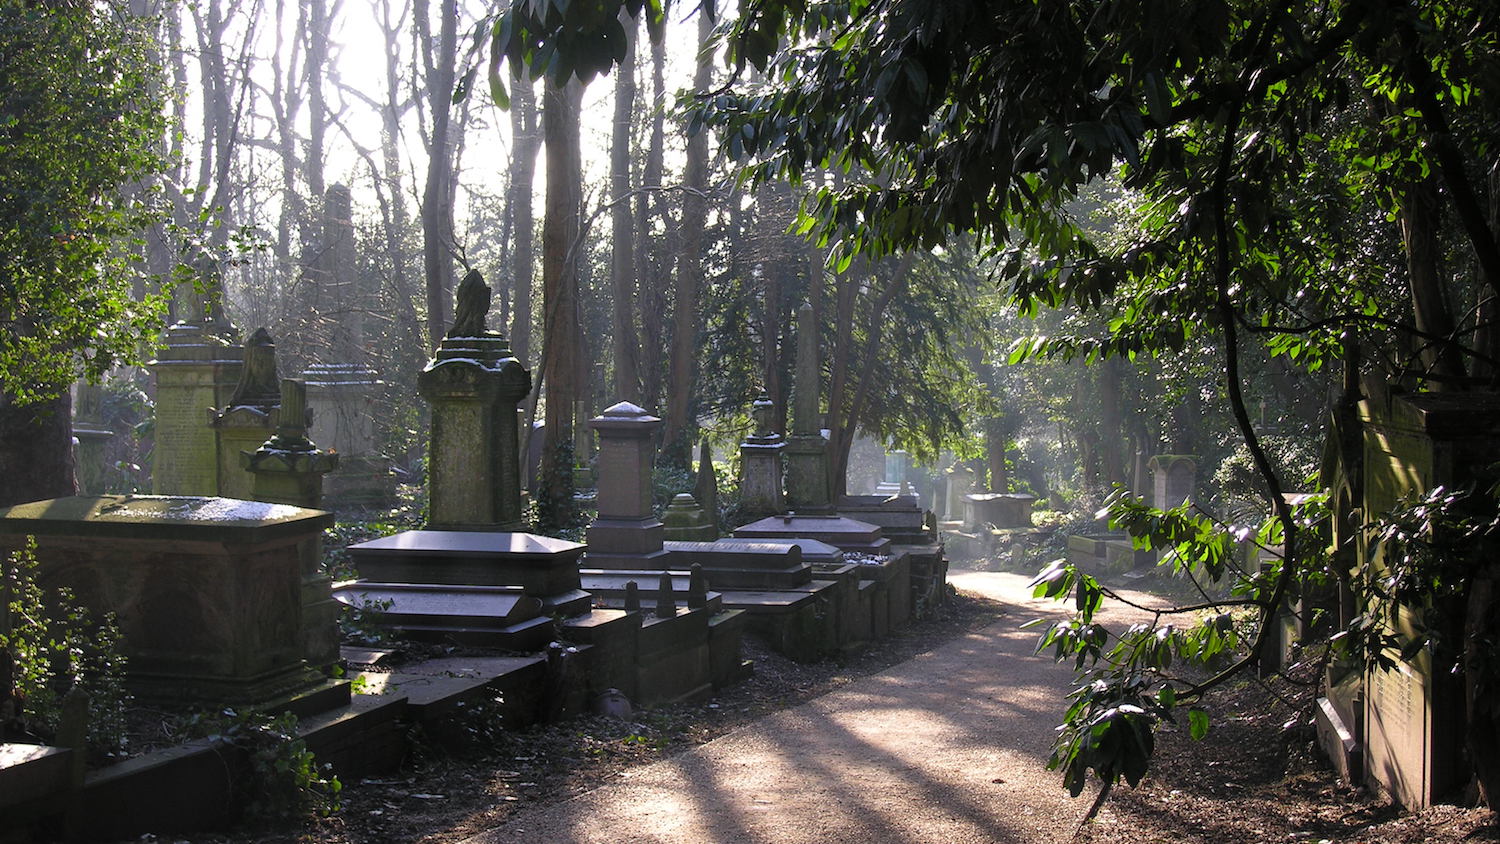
[[760, 465], [288, 468], [207, 591], [845, 534], [626, 533], [90, 461], [195, 372], [807, 475], [544, 567], [685, 521], [342, 397], [894, 480], [473, 474]]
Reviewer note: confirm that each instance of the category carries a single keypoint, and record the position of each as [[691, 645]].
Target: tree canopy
[[80, 119]]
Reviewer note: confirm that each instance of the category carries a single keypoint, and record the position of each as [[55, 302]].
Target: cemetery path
[[949, 747]]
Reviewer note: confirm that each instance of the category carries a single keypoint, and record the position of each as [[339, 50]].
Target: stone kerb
[[626, 524], [474, 384]]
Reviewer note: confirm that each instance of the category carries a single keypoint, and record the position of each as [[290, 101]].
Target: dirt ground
[[1253, 778]]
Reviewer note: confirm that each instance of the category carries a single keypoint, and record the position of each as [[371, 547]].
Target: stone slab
[[839, 531], [30, 772], [541, 565], [495, 606], [222, 521]]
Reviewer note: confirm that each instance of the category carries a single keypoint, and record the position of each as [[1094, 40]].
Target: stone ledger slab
[[544, 567]]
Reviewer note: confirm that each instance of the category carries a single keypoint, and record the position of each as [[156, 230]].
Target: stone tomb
[[543, 567], [208, 592], [497, 616]]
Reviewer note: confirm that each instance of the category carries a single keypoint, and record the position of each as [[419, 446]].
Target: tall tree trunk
[[1418, 215], [560, 328], [1487, 334], [440, 61], [318, 25], [36, 450], [626, 346], [648, 211], [1111, 432], [676, 446], [526, 140]]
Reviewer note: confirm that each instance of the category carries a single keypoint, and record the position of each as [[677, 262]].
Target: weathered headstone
[[895, 474], [960, 483], [474, 383], [92, 436], [626, 534], [196, 371], [760, 465], [1173, 477], [250, 415], [808, 485], [706, 487]]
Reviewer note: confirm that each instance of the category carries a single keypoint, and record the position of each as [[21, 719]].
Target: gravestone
[[706, 488], [473, 383], [808, 484], [92, 436], [195, 372], [960, 478], [626, 534], [760, 465], [208, 592], [249, 417], [894, 480], [1173, 477], [1414, 714]]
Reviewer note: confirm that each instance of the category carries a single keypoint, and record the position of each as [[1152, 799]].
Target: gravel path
[[948, 747]]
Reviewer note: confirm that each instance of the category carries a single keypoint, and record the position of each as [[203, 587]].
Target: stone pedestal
[[807, 475], [894, 482], [195, 372], [474, 384], [760, 465], [207, 591], [342, 399], [1172, 479], [626, 533]]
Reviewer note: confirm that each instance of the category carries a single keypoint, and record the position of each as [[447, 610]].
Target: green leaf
[[1197, 723]]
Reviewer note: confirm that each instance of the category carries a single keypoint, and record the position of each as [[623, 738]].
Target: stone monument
[[288, 468], [196, 370], [626, 534], [250, 415], [808, 488], [474, 383], [1172, 479], [760, 465], [706, 488]]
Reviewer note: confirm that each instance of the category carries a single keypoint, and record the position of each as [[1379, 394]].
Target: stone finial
[[697, 588], [471, 307], [666, 602], [763, 411], [258, 385], [632, 596]]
